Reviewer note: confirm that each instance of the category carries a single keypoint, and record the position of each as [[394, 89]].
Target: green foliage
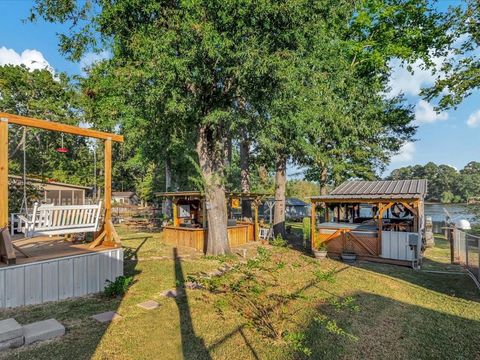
[[333, 328], [118, 287], [39, 94], [328, 276], [345, 303], [445, 183], [15, 195], [306, 226], [322, 247], [301, 189], [279, 241], [297, 340], [460, 69]]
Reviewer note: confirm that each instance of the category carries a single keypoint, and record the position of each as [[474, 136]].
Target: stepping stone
[[107, 317], [11, 334], [42, 330], [216, 273], [12, 343], [148, 305], [169, 293], [192, 285], [10, 329]]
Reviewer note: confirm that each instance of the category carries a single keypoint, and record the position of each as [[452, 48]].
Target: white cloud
[[91, 58], [411, 82], [474, 119], [405, 154], [426, 114], [32, 59]]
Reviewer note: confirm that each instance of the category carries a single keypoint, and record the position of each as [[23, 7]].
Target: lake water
[[456, 211]]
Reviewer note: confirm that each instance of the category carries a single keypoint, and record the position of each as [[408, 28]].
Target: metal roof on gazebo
[[381, 189]]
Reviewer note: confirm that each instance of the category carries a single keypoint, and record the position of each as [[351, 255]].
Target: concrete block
[[107, 317], [12, 343], [148, 305], [10, 329], [42, 330]]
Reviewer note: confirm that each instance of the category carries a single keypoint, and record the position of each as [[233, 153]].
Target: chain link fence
[[466, 250]]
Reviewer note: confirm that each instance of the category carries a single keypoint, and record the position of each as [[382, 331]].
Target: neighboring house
[[295, 209], [125, 197], [55, 192]]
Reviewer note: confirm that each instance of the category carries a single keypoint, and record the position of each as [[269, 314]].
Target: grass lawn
[[280, 304]]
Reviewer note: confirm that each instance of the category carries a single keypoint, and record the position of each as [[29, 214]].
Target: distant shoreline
[[440, 203]]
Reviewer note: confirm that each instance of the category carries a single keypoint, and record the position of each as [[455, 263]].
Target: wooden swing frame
[[107, 236]]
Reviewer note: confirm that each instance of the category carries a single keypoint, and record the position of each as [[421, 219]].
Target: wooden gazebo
[[190, 227], [377, 220]]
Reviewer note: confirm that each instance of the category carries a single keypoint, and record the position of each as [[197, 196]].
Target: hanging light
[[62, 149]]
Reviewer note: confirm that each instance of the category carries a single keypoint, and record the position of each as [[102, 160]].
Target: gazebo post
[[204, 213], [256, 224], [108, 192], [175, 212], [313, 225], [6, 248], [3, 172]]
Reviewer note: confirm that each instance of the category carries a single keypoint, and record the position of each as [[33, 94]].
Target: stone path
[[149, 305], [13, 335], [106, 317]]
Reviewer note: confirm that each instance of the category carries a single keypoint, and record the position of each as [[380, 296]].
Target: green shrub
[[279, 241], [118, 287], [297, 340], [328, 276], [306, 226]]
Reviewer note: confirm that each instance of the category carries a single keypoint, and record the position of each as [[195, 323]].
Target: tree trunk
[[167, 203], [245, 176], [280, 189], [323, 181], [212, 163]]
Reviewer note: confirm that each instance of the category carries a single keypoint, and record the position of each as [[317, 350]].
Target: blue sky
[[444, 138]]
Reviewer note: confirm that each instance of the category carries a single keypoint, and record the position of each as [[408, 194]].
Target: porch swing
[[48, 219]]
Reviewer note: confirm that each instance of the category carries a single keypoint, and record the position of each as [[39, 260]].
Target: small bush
[[306, 226], [279, 241], [118, 287], [328, 276], [297, 340]]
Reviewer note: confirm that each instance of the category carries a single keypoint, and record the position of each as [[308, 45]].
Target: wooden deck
[[47, 248]]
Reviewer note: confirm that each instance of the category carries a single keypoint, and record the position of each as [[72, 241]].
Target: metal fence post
[[466, 249]]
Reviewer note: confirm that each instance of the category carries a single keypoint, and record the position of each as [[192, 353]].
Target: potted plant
[[321, 252]]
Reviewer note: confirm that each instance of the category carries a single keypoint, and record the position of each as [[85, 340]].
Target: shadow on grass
[[193, 347], [454, 284], [377, 327]]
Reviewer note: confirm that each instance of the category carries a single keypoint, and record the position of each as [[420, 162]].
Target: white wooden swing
[[49, 220]]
